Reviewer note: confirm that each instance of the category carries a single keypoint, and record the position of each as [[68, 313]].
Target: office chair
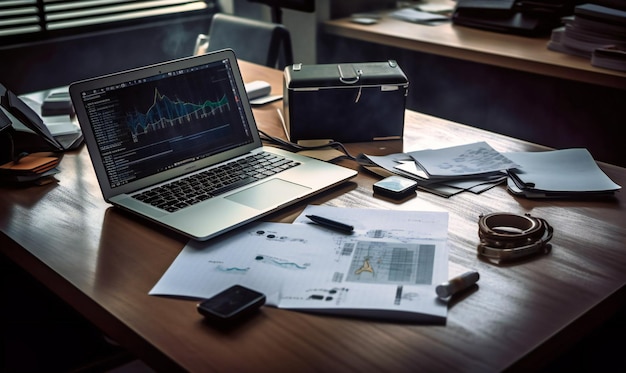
[[264, 43]]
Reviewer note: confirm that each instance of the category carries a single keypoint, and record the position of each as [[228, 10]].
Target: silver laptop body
[[146, 129]]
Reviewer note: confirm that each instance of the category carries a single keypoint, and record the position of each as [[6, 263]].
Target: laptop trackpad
[[271, 193]]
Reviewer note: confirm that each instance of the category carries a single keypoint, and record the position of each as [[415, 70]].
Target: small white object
[[61, 125], [457, 284], [257, 88]]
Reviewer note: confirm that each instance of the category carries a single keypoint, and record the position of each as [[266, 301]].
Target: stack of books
[[595, 32]]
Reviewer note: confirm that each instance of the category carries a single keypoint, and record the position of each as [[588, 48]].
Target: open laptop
[[178, 127]]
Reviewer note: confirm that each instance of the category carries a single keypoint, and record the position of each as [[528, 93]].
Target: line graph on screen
[[166, 113]]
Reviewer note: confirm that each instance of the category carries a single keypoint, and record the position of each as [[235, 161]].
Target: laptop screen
[[149, 125]]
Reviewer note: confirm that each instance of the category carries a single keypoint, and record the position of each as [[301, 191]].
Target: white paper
[[566, 170], [57, 124], [463, 160], [61, 125], [416, 16], [388, 267]]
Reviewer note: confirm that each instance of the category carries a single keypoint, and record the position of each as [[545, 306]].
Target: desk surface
[[103, 262], [492, 48]]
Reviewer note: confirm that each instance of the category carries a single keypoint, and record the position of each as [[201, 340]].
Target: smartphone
[[396, 187], [231, 304]]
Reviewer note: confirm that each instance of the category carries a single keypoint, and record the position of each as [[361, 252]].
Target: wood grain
[[103, 262]]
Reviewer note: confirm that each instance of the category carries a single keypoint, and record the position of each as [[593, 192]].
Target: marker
[[331, 223], [457, 284]]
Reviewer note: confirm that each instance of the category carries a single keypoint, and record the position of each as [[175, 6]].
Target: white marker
[[457, 284]]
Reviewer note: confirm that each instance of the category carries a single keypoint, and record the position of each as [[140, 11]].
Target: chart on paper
[[390, 262]]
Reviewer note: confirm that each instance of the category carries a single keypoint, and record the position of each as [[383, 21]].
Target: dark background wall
[[57, 62], [549, 111], [554, 112]]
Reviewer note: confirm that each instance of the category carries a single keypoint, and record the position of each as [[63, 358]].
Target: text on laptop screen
[[149, 125]]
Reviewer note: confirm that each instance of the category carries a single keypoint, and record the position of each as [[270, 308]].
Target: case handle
[[348, 75]]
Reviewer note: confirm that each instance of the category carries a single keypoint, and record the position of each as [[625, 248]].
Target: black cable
[[297, 147]]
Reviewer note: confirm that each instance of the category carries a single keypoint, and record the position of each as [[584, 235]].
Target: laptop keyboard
[[207, 184]]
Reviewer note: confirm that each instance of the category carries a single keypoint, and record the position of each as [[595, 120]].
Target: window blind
[[38, 19]]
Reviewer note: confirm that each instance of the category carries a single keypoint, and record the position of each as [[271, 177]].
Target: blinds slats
[[110, 4], [15, 3], [101, 18], [54, 14], [14, 13], [33, 18], [19, 31], [18, 21], [19, 17]]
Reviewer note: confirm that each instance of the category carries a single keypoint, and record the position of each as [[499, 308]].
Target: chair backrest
[[264, 43]]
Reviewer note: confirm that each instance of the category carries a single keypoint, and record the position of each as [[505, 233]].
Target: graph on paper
[[392, 263]]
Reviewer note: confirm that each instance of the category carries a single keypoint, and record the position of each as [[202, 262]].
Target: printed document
[[387, 268]]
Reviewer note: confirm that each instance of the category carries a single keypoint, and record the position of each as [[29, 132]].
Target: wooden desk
[[103, 263], [491, 48]]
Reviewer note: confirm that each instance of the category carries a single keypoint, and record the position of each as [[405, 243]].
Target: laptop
[[169, 142]]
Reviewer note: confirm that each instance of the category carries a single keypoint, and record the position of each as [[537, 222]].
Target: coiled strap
[[504, 236]]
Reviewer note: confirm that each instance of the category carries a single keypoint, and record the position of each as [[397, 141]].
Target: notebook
[[176, 127]]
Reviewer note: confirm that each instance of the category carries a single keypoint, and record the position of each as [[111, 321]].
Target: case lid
[[344, 74]]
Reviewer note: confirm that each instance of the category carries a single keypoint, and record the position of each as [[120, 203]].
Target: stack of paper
[[563, 173], [388, 268], [472, 167], [595, 32], [419, 16], [55, 110]]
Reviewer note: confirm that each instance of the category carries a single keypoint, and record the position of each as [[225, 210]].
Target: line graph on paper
[[166, 112]]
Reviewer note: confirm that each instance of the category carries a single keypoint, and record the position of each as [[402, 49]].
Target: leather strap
[[505, 236]]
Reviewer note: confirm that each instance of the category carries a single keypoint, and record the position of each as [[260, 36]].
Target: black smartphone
[[231, 304], [396, 187]]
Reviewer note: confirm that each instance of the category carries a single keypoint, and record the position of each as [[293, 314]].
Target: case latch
[[348, 75]]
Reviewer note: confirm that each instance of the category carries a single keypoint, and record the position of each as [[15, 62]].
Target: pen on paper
[[457, 284], [331, 223]]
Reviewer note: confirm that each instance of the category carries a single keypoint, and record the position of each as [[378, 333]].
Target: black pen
[[331, 223]]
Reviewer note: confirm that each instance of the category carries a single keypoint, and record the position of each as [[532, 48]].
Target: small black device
[[396, 187], [231, 304]]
